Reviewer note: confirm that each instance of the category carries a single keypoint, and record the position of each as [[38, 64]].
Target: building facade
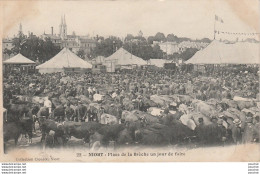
[[7, 44], [173, 47], [73, 42], [168, 47]]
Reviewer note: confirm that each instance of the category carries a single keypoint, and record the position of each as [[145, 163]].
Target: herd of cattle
[[160, 120]]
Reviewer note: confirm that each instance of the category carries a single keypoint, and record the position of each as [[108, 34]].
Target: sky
[[184, 18]]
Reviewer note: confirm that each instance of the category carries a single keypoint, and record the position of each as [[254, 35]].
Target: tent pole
[[214, 28]]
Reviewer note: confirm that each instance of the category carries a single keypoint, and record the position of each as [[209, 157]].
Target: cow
[[155, 134], [80, 130], [48, 125], [93, 139], [22, 114], [125, 137], [159, 134], [27, 125], [128, 105], [211, 134], [128, 116], [185, 99], [84, 99], [110, 133], [149, 119], [12, 130], [55, 102], [16, 111], [161, 100], [59, 113], [230, 103], [203, 108], [147, 103], [245, 104], [44, 111], [155, 111], [109, 119]]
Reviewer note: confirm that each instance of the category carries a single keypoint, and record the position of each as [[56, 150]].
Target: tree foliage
[[81, 53], [185, 55], [160, 37], [106, 47], [34, 48], [172, 38]]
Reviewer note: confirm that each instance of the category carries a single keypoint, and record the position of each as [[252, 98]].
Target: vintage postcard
[[130, 81]]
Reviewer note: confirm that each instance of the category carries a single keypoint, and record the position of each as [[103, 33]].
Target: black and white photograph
[[126, 81]]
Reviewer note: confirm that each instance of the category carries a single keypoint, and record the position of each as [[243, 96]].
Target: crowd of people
[[85, 97]]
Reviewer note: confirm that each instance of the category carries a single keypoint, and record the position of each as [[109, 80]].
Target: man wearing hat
[[80, 112], [256, 129], [48, 104], [69, 112], [214, 119], [248, 132], [222, 132], [200, 132], [236, 131]]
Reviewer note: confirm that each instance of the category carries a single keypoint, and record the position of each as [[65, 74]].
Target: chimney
[[51, 30]]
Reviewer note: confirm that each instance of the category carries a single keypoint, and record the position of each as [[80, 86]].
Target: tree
[[81, 53], [35, 48], [207, 40], [7, 51], [140, 38], [181, 39], [129, 37], [150, 39], [159, 37], [157, 52], [140, 49], [172, 38], [106, 47], [188, 53], [17, 43]]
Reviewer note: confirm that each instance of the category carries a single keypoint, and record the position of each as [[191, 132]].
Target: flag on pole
[[217, 18]]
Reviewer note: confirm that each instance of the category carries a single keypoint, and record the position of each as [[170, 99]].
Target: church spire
[[20, 32], [61, 23], [63, 28], [64, 20]]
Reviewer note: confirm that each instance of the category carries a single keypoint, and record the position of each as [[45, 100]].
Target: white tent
[[64, 59], [19, 59], [123, 57], [227, 53]]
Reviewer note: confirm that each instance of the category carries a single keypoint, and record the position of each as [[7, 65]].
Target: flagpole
[[214, 27]]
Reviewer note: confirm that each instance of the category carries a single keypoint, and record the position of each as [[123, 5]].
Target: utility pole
[[214, 28], [131, 49], [166, 50], [114, 46]]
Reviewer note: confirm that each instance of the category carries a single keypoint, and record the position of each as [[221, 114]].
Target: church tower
[[63, 29], [61, 26], [20, 32]]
